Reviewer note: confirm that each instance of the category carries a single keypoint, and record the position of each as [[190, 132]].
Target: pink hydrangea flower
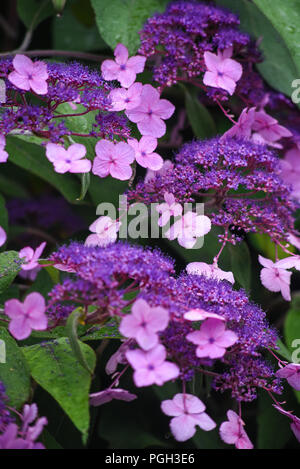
[[209, 271], [222, 72], [243, 127], [113, 159], [70, 160], [26, 316], [292, 374], [30, 414], [121, 98], [167, 166], [123, 69], [275, 277], [144, 152], [201, 315], [31, 256], [268, 128], [168, 209], [212, 339], [290, 170], [151, 113], [102, 397], [3, 153], [30, 274], [233, 433], [106, 232], [187, 412], [190, 227], [151, 366], [3, 236], [143, 323], [295, 425], [117, 358], [29, 75]]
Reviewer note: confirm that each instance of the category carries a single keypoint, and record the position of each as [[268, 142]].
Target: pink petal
[[213, 328], [39, 250], [169, 407], [153, 126], [124, 153], [200, 315], [146, 338], [144, 377], [121, 172], [3, 236], [158, 318], [34, 304], [82, 166], [189, 402], [226, 83], [121, 54], [265, 262], [3, 156], [38, 323], [163, 109], [166, 372], [211, 79], [227, 339], [23, 64], [100, 168], [55, 152], [20, 81], [147, 144], [204, 422], [76, 151], [137, 358], [118, 97], [13, 308], [19, 328], [151, 160], [126, 77], [212, 61], [232, 69], [110, 70], [150, 96], [38, 86], [105, 149], [183, 427], [136, 115], [129, 326], [137, 63]]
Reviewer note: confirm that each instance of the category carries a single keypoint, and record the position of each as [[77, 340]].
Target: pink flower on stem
[[243, 127], [143, 323], [187, 412], [29, 75], [150, 367], [113, 159], [222, 72], [121, 98], [31, 256], [291, 373], [167, 166], [212, 340], [168, 209], [105, 229], [233, 433], [209, 271], [123, 69], [190, 227], [151, 113], [70, 160], [290, 170], [3, 153], [144, 152], [27, 316], [275, 277], [102, 397], [201, 315], [3, 236], [268, 128]]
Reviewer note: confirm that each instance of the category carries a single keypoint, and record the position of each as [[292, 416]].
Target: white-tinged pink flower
[[290, 171], [190, 227], [275, 277], [102, 397], [123, 69], [3, 236], [268, 128], [243, 127], [113, 159], [233, 433], [151, 367], [187, 412], [168, 209], [31, 256], [144, 323], [222, 72], [105, 231], [151, 113], [167, 166], [200, 315], [68, 160], [27, 316], [291, 373], [209, 271], [122, 98], [212, 340], [3, 153], [144, 152], [29, 75]]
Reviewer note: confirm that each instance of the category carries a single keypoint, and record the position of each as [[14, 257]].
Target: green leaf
[[14, 372], [85, 184], [10, 265], [273, 428], [292, 333], [199, 117], [241, 264], [108, 331], [55, 368], [71, 330], [32, 158], [33, 12], [283, 350], [3, 214], [266, 247], [119, 21]]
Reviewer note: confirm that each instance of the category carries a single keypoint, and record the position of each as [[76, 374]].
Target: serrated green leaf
[[10, 265]]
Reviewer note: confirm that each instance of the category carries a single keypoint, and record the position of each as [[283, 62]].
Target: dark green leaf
[[10, 265], [32, 12], [3, 214], [292, 333], [85, 184], [241, 264], [199, 117], [71, 332], [273, 428]]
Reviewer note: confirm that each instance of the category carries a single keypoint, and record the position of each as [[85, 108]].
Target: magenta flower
[[102, 397], [10, 440], [113, 159], [212, 339], [3, 153], [290, 170], [275, 277], [30, 414], [105, 230], [69, 160], [151, 113], [190, 227], [233, 433], [26, 316], [150, 367], [268, 128], [201, 315], [144, 152], [29, 75], [222, 72], [3, 236], [294, 241], [187, 412], [122, 68], [31, 256], [143, 323], [243, 127], [121, 98], [117, 358], [209, 271], [168, 209], [167, 166], [292, 374]]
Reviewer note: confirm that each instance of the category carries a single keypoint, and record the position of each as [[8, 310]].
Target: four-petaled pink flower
[[3, 153], [233, 433], [275, 277], [290, 170], [123, 69], [121, 98], [3, 236], [69, 160], [222, 72], [143, 323], [187, 412], [113, 159], [190, 227], [167, 166], [243, 127], [26, 316], [105, 231], [150, 114], [144, 152], [150, 367], [29, 75], [212, 339], [268, 129], [31, 256], [102, 397], [209, 271], [292, 374], [168, 209]]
